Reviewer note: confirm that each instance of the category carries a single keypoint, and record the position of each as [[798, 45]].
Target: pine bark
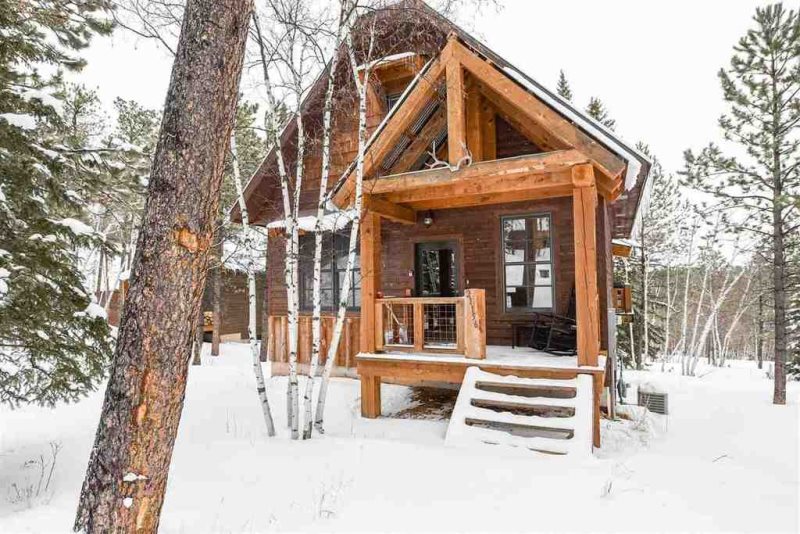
[[197, 351], [216, 294], [127, 474], [760, 336]]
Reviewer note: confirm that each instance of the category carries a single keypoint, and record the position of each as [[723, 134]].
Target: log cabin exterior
[[454, 259]]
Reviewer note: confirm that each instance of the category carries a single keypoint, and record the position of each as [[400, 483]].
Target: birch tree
[[252, 316], [361, 81], [327, 126]]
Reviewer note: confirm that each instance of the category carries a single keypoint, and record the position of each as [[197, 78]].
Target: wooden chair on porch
[[556, 334]]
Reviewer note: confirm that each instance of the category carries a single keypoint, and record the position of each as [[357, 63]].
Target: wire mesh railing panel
[[398, 324], [440, 325]]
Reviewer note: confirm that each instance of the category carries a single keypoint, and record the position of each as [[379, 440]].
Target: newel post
[[587, 303], [474, 323]]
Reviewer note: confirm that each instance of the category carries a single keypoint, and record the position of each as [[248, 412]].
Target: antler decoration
[[465, 161]]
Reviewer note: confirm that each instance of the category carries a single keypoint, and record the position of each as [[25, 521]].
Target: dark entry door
[[436, 269]]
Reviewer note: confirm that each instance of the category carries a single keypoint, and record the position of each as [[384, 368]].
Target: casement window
[[527, 263], [334, 264]]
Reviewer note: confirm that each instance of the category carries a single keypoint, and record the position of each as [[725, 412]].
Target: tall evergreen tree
[[597, 110], [760, 191], [54, 343], [562, 87]]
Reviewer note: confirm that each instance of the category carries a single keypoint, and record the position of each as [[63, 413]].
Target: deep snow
[[724, 460]]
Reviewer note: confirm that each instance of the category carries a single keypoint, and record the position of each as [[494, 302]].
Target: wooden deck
[[431, 369]]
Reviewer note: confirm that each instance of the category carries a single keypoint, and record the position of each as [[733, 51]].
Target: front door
[[436, 269]]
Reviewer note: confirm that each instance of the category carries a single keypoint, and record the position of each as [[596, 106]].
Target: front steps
[[552, 416]]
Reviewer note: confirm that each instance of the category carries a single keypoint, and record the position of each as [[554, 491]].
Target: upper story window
[[334, 265], [527, 263], [392, 99]]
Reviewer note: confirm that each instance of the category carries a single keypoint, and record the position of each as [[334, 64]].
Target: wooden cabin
[[489, 201]]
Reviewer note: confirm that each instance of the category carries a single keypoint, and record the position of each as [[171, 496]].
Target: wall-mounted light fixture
[[428, 219]]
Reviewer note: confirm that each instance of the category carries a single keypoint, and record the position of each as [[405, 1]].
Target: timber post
[[370, 276], [587, 309]]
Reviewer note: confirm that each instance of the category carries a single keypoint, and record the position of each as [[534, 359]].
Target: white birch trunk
[[261, 386], [316, 316], [344, 294], [740, 309], [710, 320], [290, 217]]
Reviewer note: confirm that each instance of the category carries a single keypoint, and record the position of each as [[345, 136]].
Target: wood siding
[[234, 302], [477, 231]]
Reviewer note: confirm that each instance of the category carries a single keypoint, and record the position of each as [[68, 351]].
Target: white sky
[[654, 63]]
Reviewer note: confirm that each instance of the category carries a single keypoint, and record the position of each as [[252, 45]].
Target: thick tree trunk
[[198, 338], [127, 473], [760, 338], [779, 283], [216, 295]]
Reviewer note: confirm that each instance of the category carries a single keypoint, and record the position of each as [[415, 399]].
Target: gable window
[[334, 265], [392, 99], [527, 263]]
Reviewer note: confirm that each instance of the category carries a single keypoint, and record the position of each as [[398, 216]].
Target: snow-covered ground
[[724, 460]]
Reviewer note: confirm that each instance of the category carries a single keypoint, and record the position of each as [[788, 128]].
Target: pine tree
[[562, 88], [597, 110], [760, 192], [126, 478], [54, 342]]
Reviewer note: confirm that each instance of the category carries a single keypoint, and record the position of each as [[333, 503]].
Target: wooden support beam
[[485, 199], [370, 277], [489, 131], [424, 90], [533, 164], [534, 109], [584, 215], [473, 120], [389, 210], [474, 315], [456, 124], [370, 396]]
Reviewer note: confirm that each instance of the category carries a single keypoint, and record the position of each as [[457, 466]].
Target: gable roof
[[629, 206]]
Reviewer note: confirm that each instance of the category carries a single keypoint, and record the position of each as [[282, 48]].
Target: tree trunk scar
[[190, 240], [142, 513]]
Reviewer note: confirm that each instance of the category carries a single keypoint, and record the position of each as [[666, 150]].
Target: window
[[391, 100], [334, 265], [527, 262]]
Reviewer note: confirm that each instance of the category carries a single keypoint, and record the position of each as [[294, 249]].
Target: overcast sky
[[654, 63]]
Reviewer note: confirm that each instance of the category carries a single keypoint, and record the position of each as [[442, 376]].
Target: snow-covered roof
[[331, 221]]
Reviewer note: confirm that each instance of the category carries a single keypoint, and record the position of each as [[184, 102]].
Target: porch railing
[[454, 325]]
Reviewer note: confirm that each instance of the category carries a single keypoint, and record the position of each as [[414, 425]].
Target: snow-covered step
[[483, 414], [489, 396], [549, 415]]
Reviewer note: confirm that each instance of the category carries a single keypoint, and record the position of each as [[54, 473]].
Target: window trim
[[502, 263]]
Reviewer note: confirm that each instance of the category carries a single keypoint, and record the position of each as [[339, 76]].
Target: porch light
[[428, 219]]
